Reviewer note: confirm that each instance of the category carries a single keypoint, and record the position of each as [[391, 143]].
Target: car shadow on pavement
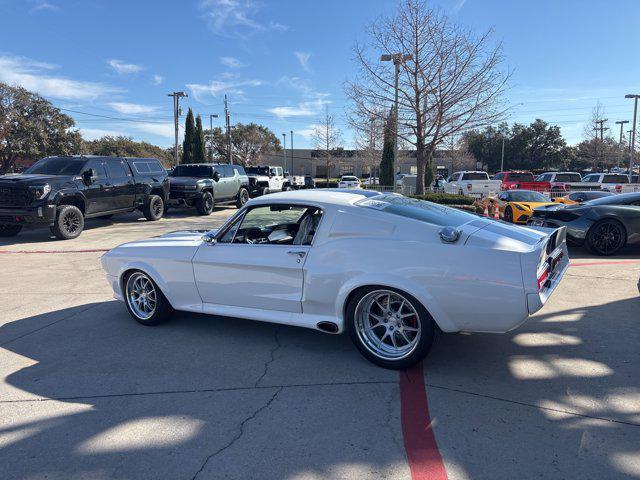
[[90, 393]]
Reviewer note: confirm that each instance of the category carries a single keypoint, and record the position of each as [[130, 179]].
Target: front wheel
[[204, 205], [243, 197], [606, 237], [10, 230], [69, 222], [144, 300], [508, 214], [154, 208], [390, 328]]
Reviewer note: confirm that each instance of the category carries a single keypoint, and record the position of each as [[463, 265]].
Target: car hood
[[185, 180], [34, 179], [530, 205]]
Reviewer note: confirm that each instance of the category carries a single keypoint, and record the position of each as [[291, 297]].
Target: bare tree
[[327, 137], [594, 149], [368, 141], [452, 82]]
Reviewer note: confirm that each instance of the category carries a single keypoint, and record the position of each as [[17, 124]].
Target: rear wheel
[[265, 191], [144, 300], [508, 214], [69, 222], [10, 230], [154, 208], [243, 197], [389, 327], [606, 237], [204, 205]]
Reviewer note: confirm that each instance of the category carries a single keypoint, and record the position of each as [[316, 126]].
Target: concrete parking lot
[[87, 393]]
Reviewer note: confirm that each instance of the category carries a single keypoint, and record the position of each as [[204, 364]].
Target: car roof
[[328, 196]]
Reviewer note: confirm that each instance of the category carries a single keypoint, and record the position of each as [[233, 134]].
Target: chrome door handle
[[298, 253]]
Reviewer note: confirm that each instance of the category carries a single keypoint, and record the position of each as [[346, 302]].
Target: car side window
[[98, 168], [240, 170], [220, 170], [116, 168]]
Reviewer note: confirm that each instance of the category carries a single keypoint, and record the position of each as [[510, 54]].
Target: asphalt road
[[87, 393]]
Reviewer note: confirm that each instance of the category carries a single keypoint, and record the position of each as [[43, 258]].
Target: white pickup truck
[[613, 182], [476, 183]]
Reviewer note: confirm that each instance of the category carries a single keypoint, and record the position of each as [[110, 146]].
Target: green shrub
[[445, 198]]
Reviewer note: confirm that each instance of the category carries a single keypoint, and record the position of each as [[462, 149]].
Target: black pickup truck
[[61, 192]]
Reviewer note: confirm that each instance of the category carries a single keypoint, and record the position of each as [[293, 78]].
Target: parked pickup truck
[[471, 183], [61, 192], [205, 184], [263, 180], [566, 181], [525, 181], [612, 182]]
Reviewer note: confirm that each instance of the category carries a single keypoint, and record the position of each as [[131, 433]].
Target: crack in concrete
[[240, 433], [272, 356]]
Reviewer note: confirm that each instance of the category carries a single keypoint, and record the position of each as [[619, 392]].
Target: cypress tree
[[387, 174], [200, 149], [189, 139]]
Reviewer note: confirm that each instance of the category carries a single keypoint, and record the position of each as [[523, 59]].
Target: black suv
[[62, 191], [202, 185]]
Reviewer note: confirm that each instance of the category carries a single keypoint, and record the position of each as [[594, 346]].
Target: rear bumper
[[40, 215]]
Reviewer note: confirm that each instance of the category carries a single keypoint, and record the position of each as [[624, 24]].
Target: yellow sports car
[[517, 206], [579, 197]]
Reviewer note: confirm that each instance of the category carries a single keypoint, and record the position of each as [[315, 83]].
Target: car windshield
[[527, 196], [621, 199], [192, 171], [475, 176], [520, 177], [615, 179], [57, 166], [417, 209], [348, 178]]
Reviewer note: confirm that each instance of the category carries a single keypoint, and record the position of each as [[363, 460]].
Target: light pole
[[176, 110], [291, 141], [633, 129], [211, 117], [284, 151], [621, 123], [397, 59]]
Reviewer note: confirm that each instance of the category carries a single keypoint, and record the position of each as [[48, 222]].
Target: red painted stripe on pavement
[[621, 262], [53, 251], [420, 444]]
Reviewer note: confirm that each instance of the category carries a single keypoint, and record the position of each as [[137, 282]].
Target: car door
[[223, 186], [99, 190], [266, 276], [123, 190]]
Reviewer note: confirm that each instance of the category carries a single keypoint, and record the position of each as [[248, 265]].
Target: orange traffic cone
[[496, 211], [486, 210]]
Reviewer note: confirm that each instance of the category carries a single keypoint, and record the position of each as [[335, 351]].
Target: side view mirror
[[209, 239], [88, 176], [216, 176]]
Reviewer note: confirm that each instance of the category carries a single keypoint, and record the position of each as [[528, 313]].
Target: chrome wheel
[[387, 324], [244, 197], [141, 295]]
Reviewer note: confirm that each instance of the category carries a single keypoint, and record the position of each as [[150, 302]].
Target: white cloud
[[307, 132], [225, 84], [158, 79], [35, 76], [231, 62], [302, 109], [43, 5], [303, 58], [235, 18], [133, 108], [95, 133], [165, 130], [123, 68]]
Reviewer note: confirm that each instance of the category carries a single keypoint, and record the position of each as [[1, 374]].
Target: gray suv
[[205, 184]]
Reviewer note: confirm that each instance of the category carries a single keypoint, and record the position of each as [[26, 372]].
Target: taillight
[[618, 188], [542, 278]]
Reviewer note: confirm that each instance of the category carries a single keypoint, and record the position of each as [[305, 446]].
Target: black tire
[[422, 346], [10, 230], [606, 237], [265, 191], [162, 310], [204, 204], [243, 197], [154, 208], [69, 222], [508, 214], [286, 188]]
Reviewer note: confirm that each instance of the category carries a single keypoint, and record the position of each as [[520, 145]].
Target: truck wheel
[[286, 188], [204, 205], [69, 222], [154, 208], [265, 191], [10, 230], [243, 197]]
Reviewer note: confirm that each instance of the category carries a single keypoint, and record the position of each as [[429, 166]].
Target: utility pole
[[211, 117], [176, 112], [284, 151], [291, 141], [601, 128], [228, 124], [629, 132], [621, 123], [397, 59], [633, 130]]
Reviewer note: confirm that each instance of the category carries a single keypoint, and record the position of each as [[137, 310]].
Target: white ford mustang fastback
[[383, 267]]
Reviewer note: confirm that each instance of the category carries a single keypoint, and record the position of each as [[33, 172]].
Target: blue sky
[[282, 61]]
